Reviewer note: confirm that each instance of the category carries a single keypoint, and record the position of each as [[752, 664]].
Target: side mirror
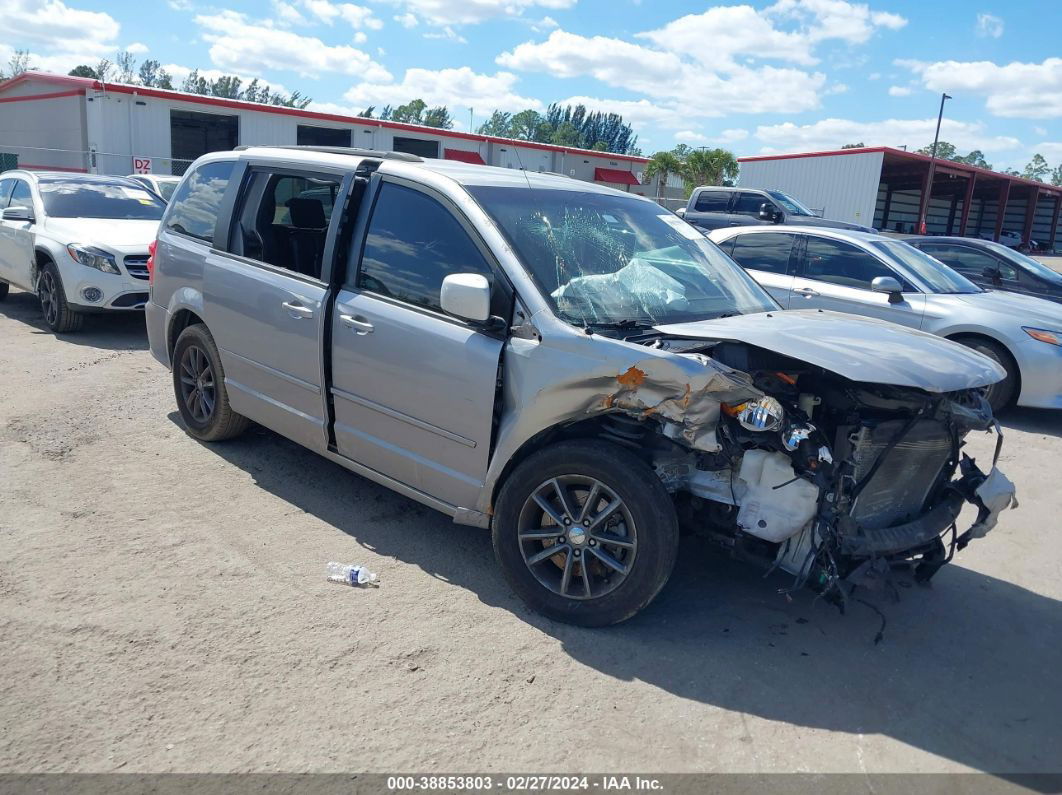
[[766, 212], [467, 296], [19, 214], [681, 212], [888, 284]]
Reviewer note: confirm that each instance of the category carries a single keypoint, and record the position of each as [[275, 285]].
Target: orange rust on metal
[[632, 379]]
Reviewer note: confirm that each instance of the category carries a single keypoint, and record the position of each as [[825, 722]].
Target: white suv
[[80, 242]]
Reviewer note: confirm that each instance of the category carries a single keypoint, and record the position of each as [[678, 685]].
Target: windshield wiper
[[624, 324]]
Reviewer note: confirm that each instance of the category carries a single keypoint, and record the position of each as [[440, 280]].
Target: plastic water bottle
[[350, 575]]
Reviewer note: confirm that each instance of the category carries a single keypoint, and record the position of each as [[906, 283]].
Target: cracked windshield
[[605, 260]]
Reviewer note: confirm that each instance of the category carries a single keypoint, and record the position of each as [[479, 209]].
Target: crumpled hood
[[859, 348], [103, 233]]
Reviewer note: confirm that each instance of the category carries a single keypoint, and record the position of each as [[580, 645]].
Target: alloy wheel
[[47, 292], [577, 537], [197, 384]]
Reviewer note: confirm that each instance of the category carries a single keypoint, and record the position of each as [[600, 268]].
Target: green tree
[[945, 151], [103, 69], [859, 145], [83, 71], [195, 83], [438, 117], [227, 87], [975, 158], [524, 125], [367, 113], [566, 134], [1056, 175], [1037, 168], [499, 125], [125, 64], [410, 113], [663, 165], [18, 63], [152, 75], [709, 167]]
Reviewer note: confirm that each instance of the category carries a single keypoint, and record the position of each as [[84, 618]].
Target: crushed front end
[[836, 481]]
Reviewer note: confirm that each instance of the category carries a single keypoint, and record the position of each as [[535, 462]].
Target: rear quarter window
[[195, 204], [712, 201]]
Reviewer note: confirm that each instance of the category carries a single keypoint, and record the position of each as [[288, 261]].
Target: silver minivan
[[573, 367]]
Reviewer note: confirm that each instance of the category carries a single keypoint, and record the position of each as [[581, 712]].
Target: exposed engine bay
[[838, 482]]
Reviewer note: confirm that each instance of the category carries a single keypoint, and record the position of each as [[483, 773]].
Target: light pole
[[928, 190]]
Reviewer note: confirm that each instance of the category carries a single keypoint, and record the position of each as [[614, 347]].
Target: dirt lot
[[163, 607]]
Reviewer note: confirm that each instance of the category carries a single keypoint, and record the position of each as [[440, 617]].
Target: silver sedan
[[878, 276]]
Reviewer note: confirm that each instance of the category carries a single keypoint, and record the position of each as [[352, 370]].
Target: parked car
[[80, 242], [882, 277], [993, 266], [1006, 238], [714, 207], [566, 364], [161, 185]]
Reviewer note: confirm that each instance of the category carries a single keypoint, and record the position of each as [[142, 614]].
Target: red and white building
[[77, 124]]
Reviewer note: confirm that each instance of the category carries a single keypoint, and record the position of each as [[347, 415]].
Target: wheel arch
[[179, 321], [980, 336]]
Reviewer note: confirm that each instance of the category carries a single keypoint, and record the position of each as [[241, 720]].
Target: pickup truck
[[570, 366], [712, 207]]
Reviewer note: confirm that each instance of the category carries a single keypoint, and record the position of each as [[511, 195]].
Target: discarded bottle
[[350, 575]]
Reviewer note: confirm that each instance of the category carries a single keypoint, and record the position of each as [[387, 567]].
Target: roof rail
[[341, 150]]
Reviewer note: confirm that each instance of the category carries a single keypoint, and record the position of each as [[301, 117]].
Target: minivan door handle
[[807, 292], [360, 325], [297, 310]]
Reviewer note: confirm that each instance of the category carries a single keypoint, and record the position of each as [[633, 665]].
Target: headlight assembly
[[764, 414], [1042, 334], [92, 257]]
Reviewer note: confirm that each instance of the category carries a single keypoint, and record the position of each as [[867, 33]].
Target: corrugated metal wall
[[844, 187], [30, 132]]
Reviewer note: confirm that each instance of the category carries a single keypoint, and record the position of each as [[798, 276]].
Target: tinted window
[[166, 189], [98, 199], [712, 201], [5, 191], [968, 260], [412, 245], [194, 208], [842, 263], [749, 204], [21, 196], [765, 252], [284, 220]]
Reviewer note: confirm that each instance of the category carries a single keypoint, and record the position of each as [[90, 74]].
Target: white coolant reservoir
[[773, 514]]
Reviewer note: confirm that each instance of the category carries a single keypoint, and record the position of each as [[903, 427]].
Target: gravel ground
[[163, 607]]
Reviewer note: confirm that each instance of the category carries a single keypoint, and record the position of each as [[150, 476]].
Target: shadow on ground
[[968, 669], [109, 331], [1045, 421]]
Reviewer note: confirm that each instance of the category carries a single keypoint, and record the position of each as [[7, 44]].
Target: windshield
[[1028, 263], [933, 273], [607, 260], [167, 187], [109, 200], [790, 204]]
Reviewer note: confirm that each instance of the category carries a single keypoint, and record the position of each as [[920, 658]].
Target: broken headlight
[[795, 434], [763, 414]]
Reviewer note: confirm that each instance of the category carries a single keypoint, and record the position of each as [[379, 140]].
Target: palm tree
[[663, 164], [709, 167]]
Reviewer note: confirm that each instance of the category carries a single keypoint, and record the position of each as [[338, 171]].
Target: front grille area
[[898, 491], [136, 265]]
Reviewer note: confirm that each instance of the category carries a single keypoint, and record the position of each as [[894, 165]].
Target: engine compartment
[[836, 481]]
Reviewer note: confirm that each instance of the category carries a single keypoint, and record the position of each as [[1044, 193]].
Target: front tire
[[57, 312], [1000, 394], [199, 386], [4, 288], [610, 521]]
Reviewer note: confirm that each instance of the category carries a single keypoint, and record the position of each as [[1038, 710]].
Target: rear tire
[[613, 557], [4, 288], [57, 312], [199, 387], [998, 395]]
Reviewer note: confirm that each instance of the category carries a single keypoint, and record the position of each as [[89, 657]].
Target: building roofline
[[902, 154], [87, 83]]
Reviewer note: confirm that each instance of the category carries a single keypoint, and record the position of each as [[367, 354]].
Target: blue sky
[[775, 76]]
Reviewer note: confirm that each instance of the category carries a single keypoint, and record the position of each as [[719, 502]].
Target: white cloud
[[915, 133], [640, 112], [470, 12], [1020, 90], [854, 23], [459, 87], [690, 137], [989, 25], [137, 48], [180, 5], [900, 91], [325, 12], [1051, 150], [716, 139], [56, 26], [360, 37], [685, 88], [238, 44], [447, 33], [732, 136], [407, 20], [56, 62]]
